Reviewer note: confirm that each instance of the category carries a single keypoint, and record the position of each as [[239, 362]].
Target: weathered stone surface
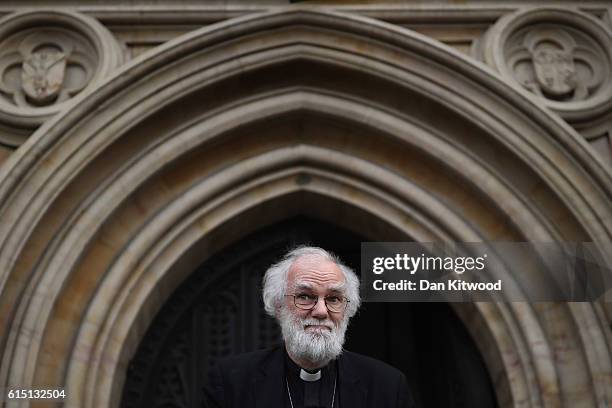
[[46, 59], [234, 126]]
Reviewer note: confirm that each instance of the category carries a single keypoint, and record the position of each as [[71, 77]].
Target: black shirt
[[313, 394]]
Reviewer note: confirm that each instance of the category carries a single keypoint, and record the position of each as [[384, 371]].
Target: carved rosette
[[47, 58], [562, 56]]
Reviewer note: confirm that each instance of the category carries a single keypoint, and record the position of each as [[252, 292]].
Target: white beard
[[319, 346]]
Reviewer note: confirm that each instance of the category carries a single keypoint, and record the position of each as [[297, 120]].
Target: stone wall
[[139, 140]]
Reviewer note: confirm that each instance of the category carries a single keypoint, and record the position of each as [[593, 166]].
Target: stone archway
[[217, 311], [231, 127]]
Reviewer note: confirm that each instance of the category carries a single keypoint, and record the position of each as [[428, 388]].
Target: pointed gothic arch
[[231, 127]]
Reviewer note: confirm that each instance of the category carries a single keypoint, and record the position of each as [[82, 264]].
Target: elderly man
[[313, 296]]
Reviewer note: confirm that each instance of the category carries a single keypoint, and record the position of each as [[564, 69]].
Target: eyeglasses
[[334, 303]]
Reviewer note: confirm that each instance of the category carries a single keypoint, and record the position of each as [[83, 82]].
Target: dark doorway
[[218, 312]]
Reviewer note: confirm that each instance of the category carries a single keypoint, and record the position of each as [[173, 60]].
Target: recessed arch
[[285, 104]]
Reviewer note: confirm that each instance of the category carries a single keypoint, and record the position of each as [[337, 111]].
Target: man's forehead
[[315, 270]]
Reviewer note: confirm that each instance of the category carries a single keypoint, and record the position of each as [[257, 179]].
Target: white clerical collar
[[310, 377]]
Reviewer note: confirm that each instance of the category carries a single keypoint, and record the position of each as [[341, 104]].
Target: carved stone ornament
[[562, 56], [42, 75], [46, 59]]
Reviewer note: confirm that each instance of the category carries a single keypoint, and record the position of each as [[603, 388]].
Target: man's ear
[[277, 310]]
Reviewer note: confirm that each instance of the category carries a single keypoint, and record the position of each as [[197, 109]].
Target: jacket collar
[[269, 384], [351, 393]]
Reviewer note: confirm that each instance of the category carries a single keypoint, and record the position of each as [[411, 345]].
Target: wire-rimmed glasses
[[334, 303]]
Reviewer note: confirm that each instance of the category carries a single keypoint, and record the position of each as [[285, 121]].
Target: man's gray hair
[[275, 279]]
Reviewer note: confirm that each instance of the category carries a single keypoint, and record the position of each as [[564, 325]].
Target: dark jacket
[[257, 380]]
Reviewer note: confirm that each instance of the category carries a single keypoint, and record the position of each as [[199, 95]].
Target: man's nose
[[320, 310]]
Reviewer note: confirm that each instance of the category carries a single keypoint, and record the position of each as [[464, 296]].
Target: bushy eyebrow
[[302, 286], [335, 288], [339, 288]]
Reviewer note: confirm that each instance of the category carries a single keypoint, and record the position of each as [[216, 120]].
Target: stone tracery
[[44, 67], [118, 216]]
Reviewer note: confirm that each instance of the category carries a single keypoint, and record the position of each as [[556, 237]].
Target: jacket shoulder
[[231, 378], [372, 366], [386, 383], [253, 358]]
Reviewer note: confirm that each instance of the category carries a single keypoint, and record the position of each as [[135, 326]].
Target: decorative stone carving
[[46, 59], [555, 70], [42, 75], [50, 67], [562, 56], [557, 64]]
